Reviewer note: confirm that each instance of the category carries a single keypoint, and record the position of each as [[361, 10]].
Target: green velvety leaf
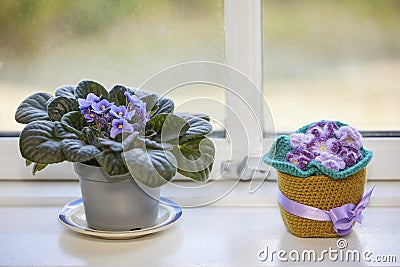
[[86, 87], [61, 132], [89, 136], [198, 127], [151, 167], [135, 141], [110, 144], [137, 92], [39, 144], [74, 121], [168, 127], [153, 110], [195, 158], [112, 162], [60, 106], [117, 95], [165, 105], [33, 108], [188, 115], [150, 144], [28, 162], [78, 151], [130, 141], [150, 100], [38, 167], [66, 91]]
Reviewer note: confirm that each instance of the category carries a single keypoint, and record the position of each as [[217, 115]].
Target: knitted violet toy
[[321, 178]]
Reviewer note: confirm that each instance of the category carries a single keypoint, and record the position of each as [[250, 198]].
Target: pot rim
[[98, 174], [99, 167]]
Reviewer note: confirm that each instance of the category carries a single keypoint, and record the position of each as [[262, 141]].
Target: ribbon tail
[[342, 232], [365, 200], [342, 219], [359, 218]]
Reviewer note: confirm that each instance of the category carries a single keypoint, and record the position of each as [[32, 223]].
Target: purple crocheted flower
[[300, 140], [323, 129], [325, 142], [320, 146], [350, 155], [299, 157], [349, 137], [332, 162]]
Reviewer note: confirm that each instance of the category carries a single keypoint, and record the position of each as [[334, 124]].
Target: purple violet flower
[[85, 110], [107, 116], [121, 112], [350, 155], [349, 137], [119, 126], [90, 117], [300, 140], [102, 123], [85, 104], [134, 100], [128, 96], [321, 145], [299, 158], [102, 106], [332, 162], [140, 116], [323, 129]]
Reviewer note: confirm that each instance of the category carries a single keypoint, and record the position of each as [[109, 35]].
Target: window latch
[[251, 167]]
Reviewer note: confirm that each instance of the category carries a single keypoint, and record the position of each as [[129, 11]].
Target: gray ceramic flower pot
[[116, 203]]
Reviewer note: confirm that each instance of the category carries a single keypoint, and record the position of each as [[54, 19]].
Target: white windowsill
[[229, 232]]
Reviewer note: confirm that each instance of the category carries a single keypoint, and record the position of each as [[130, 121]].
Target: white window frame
[[243, 51]]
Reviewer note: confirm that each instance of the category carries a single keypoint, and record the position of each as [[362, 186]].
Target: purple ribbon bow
[[342, 217]]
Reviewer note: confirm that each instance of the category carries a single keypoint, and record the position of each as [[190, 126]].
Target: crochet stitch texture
[[320, 192], [315, 186], [275, 157]]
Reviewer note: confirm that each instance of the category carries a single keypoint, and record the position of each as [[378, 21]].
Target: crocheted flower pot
[[318, 196], [321, 192]]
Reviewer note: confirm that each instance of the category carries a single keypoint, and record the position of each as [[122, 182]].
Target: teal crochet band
[[275, 157]]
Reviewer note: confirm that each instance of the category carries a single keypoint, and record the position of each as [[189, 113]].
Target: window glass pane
[[333, 60], [47, 43]]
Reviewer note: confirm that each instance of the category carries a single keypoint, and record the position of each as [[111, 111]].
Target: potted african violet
[[124, 145]]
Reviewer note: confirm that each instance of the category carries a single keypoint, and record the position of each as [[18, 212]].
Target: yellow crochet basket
[[321, 192], [316, 185]]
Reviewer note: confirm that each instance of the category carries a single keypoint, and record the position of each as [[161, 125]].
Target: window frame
[[243, 51]]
